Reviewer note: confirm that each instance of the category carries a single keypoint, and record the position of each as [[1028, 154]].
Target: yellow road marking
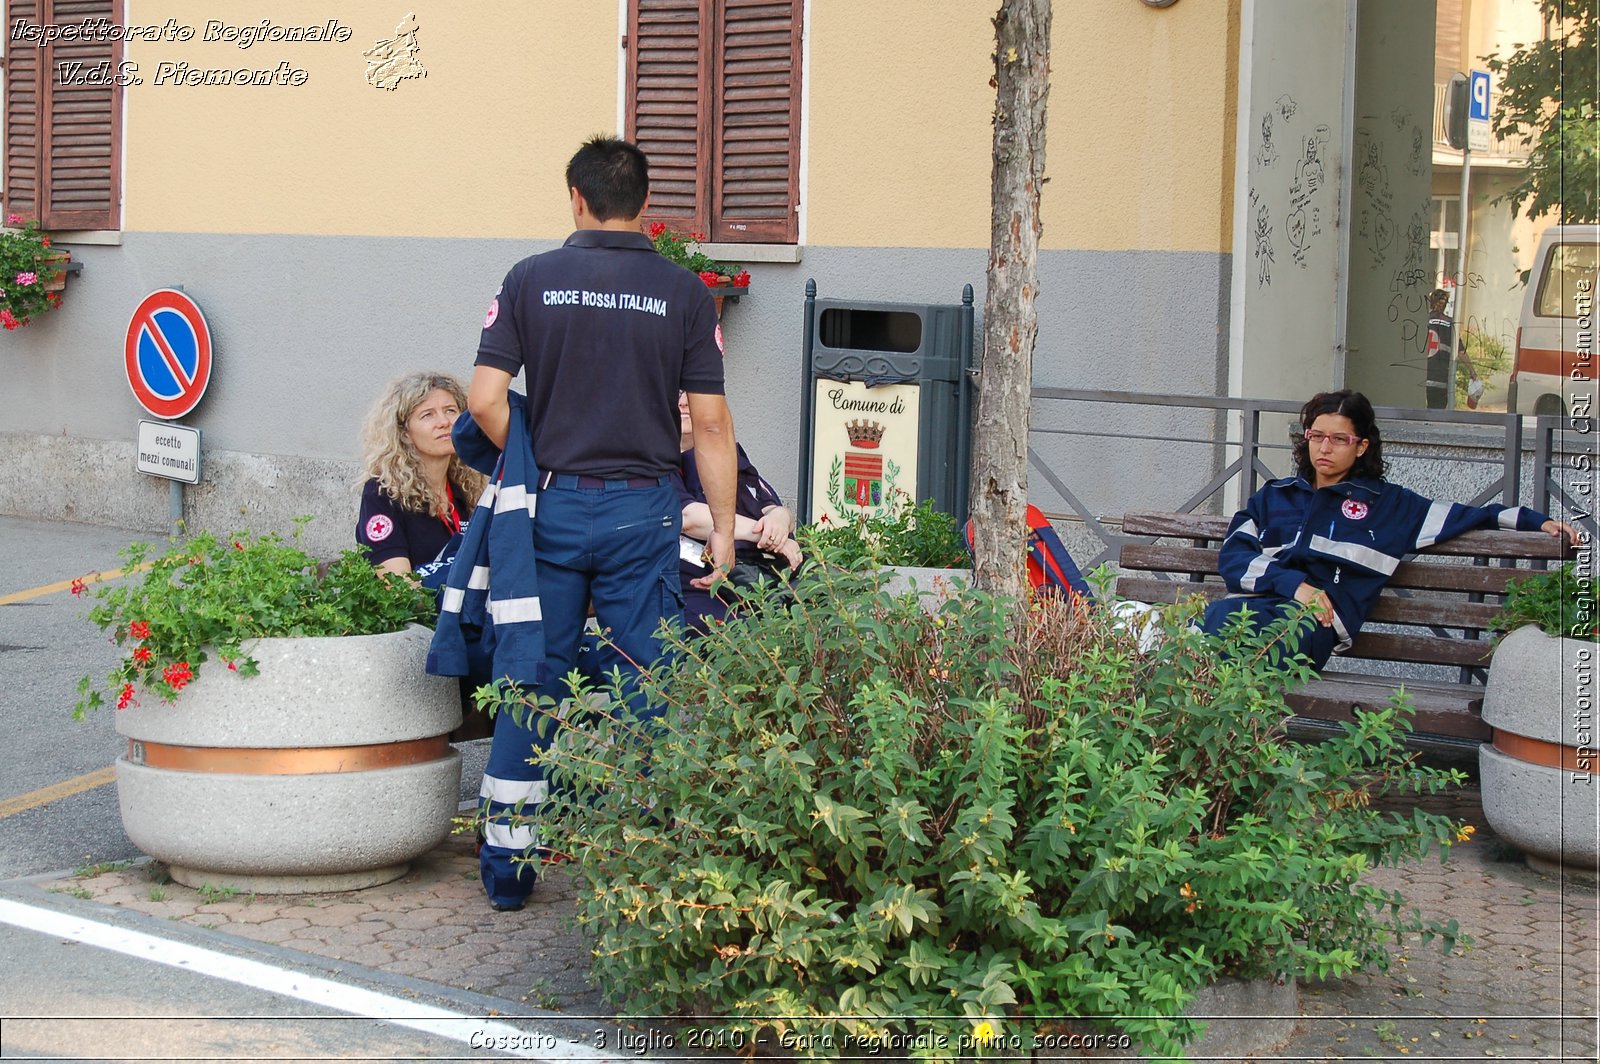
[[66, 585], [66, 788]]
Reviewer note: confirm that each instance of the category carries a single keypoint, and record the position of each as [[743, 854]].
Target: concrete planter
[[1539, 772], [934, 587], [328, 771]]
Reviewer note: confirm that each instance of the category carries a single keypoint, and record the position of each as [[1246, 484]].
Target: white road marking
[[514, 1041]]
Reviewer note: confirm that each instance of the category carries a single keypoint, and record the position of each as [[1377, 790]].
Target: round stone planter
[[328, 771], [1538, 774], [934, 587]]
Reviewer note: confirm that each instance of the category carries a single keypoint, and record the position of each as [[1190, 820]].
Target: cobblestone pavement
[[1526, 988]]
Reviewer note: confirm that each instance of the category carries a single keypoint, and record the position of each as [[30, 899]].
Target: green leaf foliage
[[871, 828], [1558, 600], [206, 596], [902, 534], [1548, 91]]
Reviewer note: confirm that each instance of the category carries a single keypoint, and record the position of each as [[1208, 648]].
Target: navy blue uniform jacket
[[1346, 539]]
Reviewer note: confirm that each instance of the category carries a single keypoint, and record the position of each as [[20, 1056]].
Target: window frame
[[51, 102], [712, 217]]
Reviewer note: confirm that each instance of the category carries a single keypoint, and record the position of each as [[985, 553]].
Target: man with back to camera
[[608, 333]]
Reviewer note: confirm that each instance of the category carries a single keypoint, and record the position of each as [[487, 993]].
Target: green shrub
[[206, 596], [1557, 600], [906, 535], [851, 812]]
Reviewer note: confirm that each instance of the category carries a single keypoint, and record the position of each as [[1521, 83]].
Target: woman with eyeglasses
[[1332, 535]]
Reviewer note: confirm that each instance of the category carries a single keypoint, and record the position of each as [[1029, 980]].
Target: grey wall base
[[67, 478]]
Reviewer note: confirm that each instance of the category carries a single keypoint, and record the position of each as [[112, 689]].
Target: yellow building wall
[[1143, 105], [1140, 142], [476, 148]]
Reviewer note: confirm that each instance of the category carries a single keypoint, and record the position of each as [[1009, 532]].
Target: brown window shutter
[[669, 44], [79, 186], [755, 186], [22, 66]]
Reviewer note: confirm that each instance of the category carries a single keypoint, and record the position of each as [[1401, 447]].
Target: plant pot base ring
[[304, 884], [1556, 870]]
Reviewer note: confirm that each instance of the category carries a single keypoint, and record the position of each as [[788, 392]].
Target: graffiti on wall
[[1291, 198]]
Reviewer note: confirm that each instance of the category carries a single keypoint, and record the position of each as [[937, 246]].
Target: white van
[[1556, 361]]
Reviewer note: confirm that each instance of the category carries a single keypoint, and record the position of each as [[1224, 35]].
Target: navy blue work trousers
[[1317, 645], [615, 546]]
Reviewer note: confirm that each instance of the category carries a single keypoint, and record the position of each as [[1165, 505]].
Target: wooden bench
[[1440, 601]]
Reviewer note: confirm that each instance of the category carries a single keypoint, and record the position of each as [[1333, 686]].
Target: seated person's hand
[[774, 529], [1559, 528], [1318, 600], [789, 551]]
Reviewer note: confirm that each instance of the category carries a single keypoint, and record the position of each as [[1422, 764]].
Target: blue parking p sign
[[1478, 97]]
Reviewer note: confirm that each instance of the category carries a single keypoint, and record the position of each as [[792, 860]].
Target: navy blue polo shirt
[[389, 530], [608, 332]]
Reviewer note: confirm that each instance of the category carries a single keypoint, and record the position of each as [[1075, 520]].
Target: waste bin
[[886, 406]]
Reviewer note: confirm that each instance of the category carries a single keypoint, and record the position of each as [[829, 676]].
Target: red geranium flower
[[742, 278], [78, 587], [657, 228], [139, 629], [177, 675], [710, 278], [125, 696], [141, 655]]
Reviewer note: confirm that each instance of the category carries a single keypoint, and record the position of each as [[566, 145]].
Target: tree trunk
[[1010, 314]]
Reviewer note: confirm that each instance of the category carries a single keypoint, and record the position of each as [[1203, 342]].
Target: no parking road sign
[[168, 354]]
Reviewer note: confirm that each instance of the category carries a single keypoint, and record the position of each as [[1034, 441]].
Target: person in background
[[763, 529], [1441, 381], [418, 492], [1332, 535]]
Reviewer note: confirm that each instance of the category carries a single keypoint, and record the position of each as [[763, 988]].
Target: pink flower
[[27, 277], [13, 219]]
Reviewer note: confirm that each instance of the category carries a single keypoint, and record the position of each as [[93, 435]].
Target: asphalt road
[[46, 644], [101, 1005]]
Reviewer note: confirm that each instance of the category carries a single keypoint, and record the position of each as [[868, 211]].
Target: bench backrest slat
[[1390, 609]]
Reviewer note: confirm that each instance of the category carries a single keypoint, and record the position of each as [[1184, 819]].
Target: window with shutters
[[714, 100], [63, 115]]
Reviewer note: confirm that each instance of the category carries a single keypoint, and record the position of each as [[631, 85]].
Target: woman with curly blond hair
[[419, 492]]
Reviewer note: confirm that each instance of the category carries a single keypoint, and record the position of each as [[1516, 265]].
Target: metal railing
[[1235, 449]]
